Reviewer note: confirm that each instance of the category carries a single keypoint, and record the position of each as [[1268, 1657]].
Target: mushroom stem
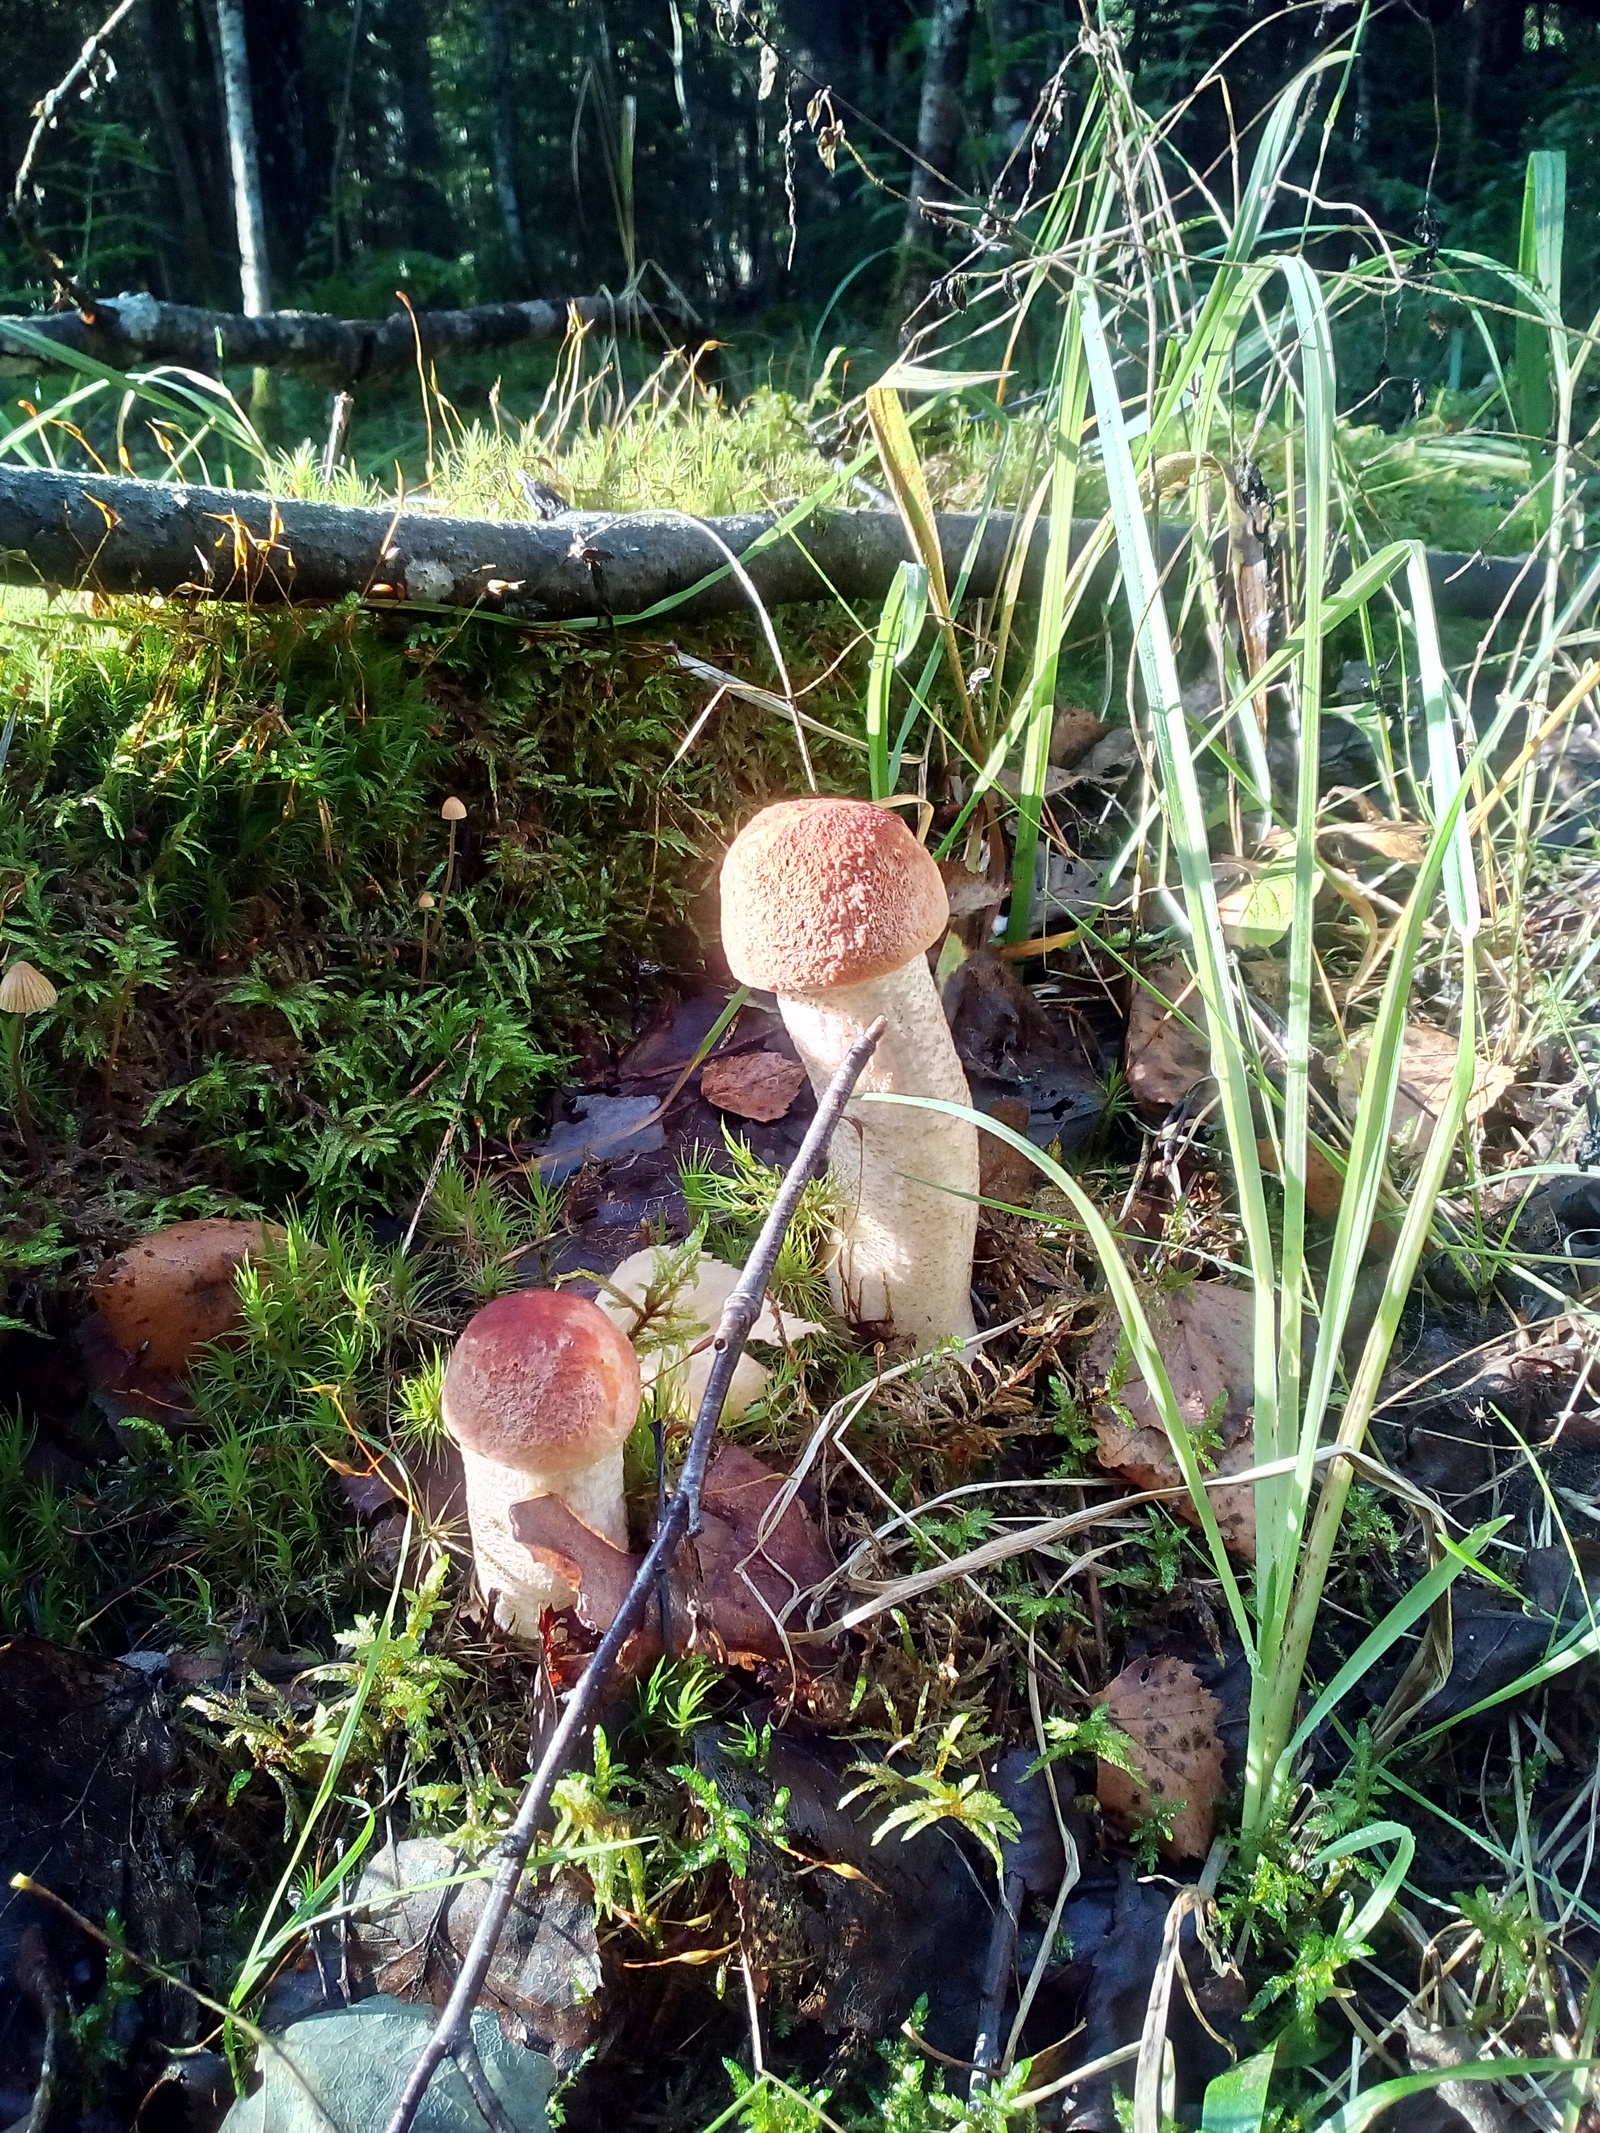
[[905, 1230], [20, 1105], [523, 1584]]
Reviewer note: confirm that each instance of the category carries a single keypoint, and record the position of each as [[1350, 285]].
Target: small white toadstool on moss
[[540, 1393], [832, 904], [453, 811]]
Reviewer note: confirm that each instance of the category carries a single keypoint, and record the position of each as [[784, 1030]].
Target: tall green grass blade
[[1319, 400], [1071, 394], [1389, 1883], [1365, 2109], [1544, 214], [178, 392], [257, 1960], [1236, 2102], [905, 609], [1185, 815], [1393, 1626]]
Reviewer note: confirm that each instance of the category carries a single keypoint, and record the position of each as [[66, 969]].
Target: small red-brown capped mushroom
[[540, 1393], [832, 905], [176, 1289]]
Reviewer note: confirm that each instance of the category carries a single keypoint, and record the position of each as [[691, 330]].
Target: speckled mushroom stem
[[905, 1230], [523, 1585]]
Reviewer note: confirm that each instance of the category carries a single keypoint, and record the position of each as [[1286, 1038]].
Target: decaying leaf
[[1205, 1336], [1165, 1058], [1074, 733], [758, 1085], [1427, 1065], [1402, 842], [730, 1586], [1171, 1718], [1324, 1184], [1255, 901]]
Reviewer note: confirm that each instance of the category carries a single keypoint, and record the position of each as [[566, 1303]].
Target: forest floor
[[256, 1717]]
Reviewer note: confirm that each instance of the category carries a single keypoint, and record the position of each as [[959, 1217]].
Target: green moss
[[215, 829]]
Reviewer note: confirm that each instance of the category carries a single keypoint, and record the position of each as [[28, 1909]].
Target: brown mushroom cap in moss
[[170, 1292]]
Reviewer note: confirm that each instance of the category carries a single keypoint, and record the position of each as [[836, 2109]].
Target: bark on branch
[[108, 535], [128, 330]]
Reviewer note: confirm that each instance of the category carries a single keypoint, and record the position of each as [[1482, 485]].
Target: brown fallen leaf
[[1324, 1185], [1074, 733], [1205, 1334], [1171, 1718], [758, 1085], [1403, 842], [1004, 1172], [728, 1585], [1164, 1058], [1427, 1065]]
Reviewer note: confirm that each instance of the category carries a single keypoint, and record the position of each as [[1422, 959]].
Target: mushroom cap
[[172, 1290], [454, 810], [827, 892], [25, 991], [542, 1380]]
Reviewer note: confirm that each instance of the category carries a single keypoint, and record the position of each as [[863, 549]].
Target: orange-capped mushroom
[[540, 1393], [832, 904]]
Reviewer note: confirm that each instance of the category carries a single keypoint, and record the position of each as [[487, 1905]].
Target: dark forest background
[[467, 150]]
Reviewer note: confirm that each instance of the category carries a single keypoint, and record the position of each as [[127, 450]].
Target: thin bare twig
[[682, 1516], [23, 193]]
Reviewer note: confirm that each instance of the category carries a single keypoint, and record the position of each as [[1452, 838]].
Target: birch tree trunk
[[243, 162], [944, 74]]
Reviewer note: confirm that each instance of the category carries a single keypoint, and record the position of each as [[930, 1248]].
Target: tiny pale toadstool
[[23, 991], [452, 812], [540, 1392], [832, 904]]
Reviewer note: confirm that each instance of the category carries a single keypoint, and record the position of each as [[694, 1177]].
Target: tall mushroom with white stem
[[832, 905], [540, 1392]]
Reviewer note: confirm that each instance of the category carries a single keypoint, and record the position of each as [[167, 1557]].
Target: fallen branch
[[452, 2035], [127, 330], [105, 534]]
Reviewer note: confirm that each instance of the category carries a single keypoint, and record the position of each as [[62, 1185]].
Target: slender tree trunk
[[254, 282], [944, 73], [503, 131], [429, 223], [106, 534], [162, 38]]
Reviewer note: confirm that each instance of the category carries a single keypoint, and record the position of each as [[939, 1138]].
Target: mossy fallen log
[[109, 535], [123, 331]]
